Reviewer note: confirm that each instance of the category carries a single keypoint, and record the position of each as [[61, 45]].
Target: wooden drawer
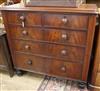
[[50, 35], [66, 21], [26, 33], [66, 69], [52, 67], [53, 50], [30, 63], [28, 19]]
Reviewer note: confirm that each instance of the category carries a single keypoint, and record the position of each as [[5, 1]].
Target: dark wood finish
[[5, 58], [51, 67], [54, 48], [95, 63], [77, 38], [66, 21]]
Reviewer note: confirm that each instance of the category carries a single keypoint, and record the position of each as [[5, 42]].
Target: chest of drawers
[[52, 41], [5, 58]]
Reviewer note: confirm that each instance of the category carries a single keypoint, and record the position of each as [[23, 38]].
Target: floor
[[34, 82]]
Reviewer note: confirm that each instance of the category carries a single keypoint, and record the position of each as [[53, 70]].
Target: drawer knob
[[24, 32], [27, 47], [63, 68], [22, 18], [29, 62], [63, 52], [64, 36], [64, 20]]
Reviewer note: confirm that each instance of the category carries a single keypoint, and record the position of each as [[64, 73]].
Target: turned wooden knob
[[29, 62], [64, 36], [64, 20], [24, 32], [27, 47], [63, 52], [63, 68]]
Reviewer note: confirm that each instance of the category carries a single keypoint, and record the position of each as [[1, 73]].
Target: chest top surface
[[84, 8]]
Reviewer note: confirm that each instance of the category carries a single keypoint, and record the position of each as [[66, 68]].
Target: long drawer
[[50, 35], [75, 54], [52, 67]]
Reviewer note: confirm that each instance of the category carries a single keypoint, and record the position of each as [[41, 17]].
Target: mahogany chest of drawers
[[49, 40], [5, 58]]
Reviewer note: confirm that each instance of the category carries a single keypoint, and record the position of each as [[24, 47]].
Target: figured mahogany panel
[[24, 19], [30, 63], [52, 67], [50, 35], [26, 33], [66, 69], [66, 36], [66, 21], [75, 54]]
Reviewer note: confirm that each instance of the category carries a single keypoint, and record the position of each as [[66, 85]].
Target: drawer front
[[53, 50], [66, 21], [52, 67], [24, 19], [26, 33], [66, 36], [66, 69], [50, 35], [30, 63]]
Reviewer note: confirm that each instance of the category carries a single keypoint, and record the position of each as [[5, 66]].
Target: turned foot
[[19, 72], [81, 85]]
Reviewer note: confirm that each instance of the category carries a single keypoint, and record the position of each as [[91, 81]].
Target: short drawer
[[49, 66], [24, 18], [26, 33], [65, 69], [30, 63], [49, 35], [66, 36], [66, 21], [52, 50]]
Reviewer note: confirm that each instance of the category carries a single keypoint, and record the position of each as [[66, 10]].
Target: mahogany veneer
[[50, 40]]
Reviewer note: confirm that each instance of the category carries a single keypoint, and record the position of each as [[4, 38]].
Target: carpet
[[35, 82]]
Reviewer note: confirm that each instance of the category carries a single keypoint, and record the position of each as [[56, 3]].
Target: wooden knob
[[24, 32], [29, 62], [63, 68], [27, 47], [63, 52], [64, 36], [64, 20], [22, 18]]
